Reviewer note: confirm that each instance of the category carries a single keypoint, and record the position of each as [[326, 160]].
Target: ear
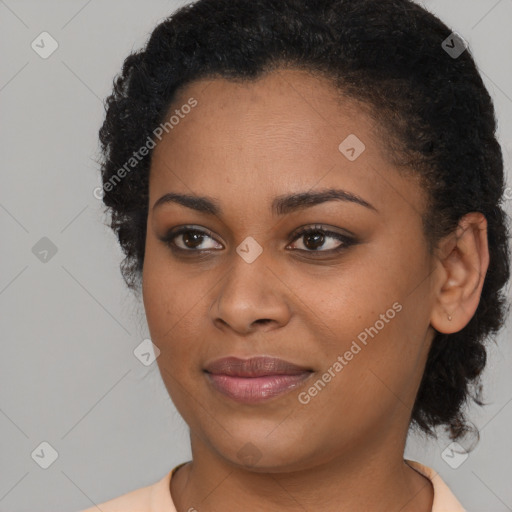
[[463, 259]]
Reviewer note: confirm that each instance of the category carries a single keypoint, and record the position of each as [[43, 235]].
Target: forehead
[[289, 103], [286, 132]]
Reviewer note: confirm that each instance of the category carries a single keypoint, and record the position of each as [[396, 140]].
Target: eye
[[318, 237], [190, 239]]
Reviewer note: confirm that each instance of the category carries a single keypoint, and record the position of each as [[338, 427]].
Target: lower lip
[[256, 389]]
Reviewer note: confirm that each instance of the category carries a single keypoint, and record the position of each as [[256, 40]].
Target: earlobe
[[462, 266]]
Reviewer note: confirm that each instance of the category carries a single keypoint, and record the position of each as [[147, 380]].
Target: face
[[348, 302]]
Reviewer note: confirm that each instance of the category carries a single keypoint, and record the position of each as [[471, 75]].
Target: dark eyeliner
[[168, 238], [346, 240]]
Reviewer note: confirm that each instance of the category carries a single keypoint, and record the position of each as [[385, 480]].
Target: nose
[[251, 297]]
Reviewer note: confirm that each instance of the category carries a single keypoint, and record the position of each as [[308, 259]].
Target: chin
[[268, 450]]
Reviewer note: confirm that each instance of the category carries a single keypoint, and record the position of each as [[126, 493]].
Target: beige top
[[157, 497]]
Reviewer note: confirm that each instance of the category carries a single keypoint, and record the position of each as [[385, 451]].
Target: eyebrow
[[281, 205]]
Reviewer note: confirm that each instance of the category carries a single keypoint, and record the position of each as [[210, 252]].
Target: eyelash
[[168, 239]]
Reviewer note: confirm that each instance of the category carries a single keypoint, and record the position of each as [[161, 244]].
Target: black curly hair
[[431, 107]]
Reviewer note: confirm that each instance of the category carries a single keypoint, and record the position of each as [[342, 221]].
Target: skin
[[243, 145]]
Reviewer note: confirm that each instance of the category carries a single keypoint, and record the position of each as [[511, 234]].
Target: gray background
[[68, 374]]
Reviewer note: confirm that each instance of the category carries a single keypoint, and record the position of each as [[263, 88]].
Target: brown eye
[[316, 238], [190, 239]]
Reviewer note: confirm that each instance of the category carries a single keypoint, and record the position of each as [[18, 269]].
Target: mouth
[[256, 379]]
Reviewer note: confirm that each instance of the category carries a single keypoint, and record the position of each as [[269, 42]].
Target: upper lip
[[254, 367]]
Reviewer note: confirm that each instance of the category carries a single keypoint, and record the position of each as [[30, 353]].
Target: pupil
[[187, 236], [319, 237]]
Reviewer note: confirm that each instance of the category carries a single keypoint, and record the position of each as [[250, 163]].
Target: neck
[[374, 478]]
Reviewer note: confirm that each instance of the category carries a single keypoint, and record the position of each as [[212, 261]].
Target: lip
[[259, 366], [255, 379]]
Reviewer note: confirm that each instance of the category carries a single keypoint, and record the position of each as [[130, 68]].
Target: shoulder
[[144, 499], [444, 499], [134, 500]]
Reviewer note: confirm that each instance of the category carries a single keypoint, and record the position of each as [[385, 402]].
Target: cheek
[[167, 300], [171, 312], [374, 316], [166, 293], [366, 377]]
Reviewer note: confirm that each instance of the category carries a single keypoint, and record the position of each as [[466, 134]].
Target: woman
[[308, 197]]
